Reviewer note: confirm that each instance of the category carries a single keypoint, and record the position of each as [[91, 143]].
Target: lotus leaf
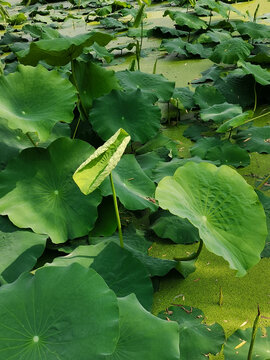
[[149, 83], [182, 98], [159, 142], [262, 76], [265, 200], [100, 164], [198, 49], [206, 96], [34, 99], [148, 162], [56, 314], [255, 139], [220, 112], [41, 31], [195, 132], [235, 121], [217, 6], [197, 339], [60, 51], [106, 223], [186, 20], [260, 54], [174, 45], [133, 188], [237, 346], [253, 29], [230, 51], [37, 191], [222, 206], [19, 250], [100, 52], [132, 110], [214, 36]]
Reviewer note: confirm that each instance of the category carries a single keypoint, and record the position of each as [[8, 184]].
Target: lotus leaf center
[[56, 192], [36, 339], [204, 218], [23, 112]]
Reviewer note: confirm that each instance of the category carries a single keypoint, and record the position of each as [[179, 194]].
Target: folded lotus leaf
[[230, 51], [220, 112], [255, 139], [37, 191], [235, 121], [262, 76], [253, 29], [186, 20], [174, 46], [34, 99], [225, 209], [182, 98], [60, 313], [206, 96]]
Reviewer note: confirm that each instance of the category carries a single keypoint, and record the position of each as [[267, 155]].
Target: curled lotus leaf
[[235, 121], [220, 112], [261, 75], [223, 207], [230, 51], [186, 20], [34, 99]]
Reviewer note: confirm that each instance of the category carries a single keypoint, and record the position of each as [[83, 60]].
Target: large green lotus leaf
[[149, 83], [143, 335], [255, 139], [222, 206], [235, 121], [180, 231], [174, 46], [237, 345], [91, 173], [159, 143], [196, 131], [186, 20], [34, 99], [230, 51], [262, 76], [131, 110], [182, 98], [198, 49], [196, 338], [215, 36], [19, 250], [123, 273], [253, 29], [134, 189], [220, 112], [148, 162], [60, 51], [37, 191], [260, 54], [217, 6], [41, 31], [93, 81], [57, 314], [206, 96]]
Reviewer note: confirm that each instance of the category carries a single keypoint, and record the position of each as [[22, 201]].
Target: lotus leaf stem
[[193, 255], [263, 182], [253, 335], [117, 213], [32, 141], [255, 97]]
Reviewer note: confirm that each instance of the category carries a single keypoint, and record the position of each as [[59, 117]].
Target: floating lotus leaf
[[235, 121], [237, 345], [222, 206], [19, 250], [206, 96], [149, 83], [220, 112], [253, 29], [132, 110], [196, 339], [186, 20], [37, 191], [133, 188], [230, 51], [34, 99], [56, 314], [262, 76], [100, 164], [174, 46], [60, 51], [198, 49], [255, 139]]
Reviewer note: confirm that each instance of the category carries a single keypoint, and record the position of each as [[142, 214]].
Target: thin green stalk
[[253, 335], [263, 182], [141, 37], [258, 117], [193, 255], [117, 213], [32, 141], [255, 97], [138, 54]]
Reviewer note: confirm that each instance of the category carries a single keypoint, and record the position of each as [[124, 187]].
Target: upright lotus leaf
[[235, 121], [237, 345], [100, 164], [182, 98], [134, 189], [19, 250], [206, 96], [41, 31], [93, 81], [149, 83], [37, 191], [174, 46], [143, 335], [260, 54], [255, 139], [220, 112], [216, 36], [57, 314], [186, 20], [196, 339], [60, 51], [217, 6], [222, 206], [198, 49], [262, 76], [131, 110], [253, 29], [230, 51], [34, 99]]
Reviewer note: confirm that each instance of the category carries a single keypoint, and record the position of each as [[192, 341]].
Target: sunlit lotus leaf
[[37, 191], [149, 83], [223, 207], [57, 314], [255, 139], [100, 164], [253, 29], [237, 345], [134, 189], [235, 121], [220, 112], [123, 273], [131, 110], [34, 99], [19, 250], [230, 51], [262, 76], [60, 51], [174, 46], [182, 98], [206, 96], [186, 20], [196, 338], [143, 335]]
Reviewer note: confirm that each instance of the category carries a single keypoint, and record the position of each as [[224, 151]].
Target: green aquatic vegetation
[[254, 139]]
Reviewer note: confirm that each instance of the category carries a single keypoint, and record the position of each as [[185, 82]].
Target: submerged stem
[[117, 212], [253, 335], [193, 255]]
